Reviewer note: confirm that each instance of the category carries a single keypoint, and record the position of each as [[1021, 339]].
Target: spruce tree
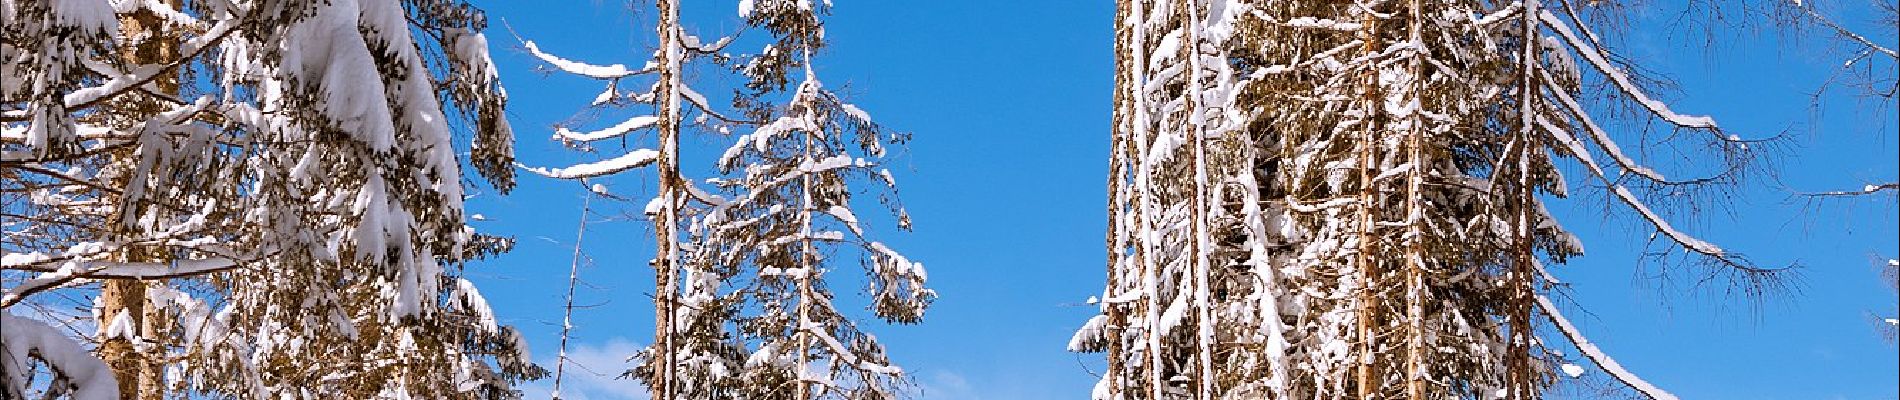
[[270, 191], [1348, 200], [742, 305]]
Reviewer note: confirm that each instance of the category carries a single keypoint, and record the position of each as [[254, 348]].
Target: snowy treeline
[[248, 199], [1308, 199], [741, 300], [1347, 199]]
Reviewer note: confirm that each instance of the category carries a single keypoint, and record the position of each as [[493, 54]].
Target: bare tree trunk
[[1200, 245], [1521, 296], [666, 257], [1116, 229], [807, 261], [123, 296], [1366, 378], [567, 309], [1144, 192], [1414, 236], [1519, 376]]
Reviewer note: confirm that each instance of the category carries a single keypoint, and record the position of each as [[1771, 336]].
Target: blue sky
[[1009, 104]]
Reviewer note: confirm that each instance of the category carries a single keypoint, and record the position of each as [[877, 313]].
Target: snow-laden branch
[[1622, 193], [1843, 31], [845, 354], [811, 167], [1601, 138], [1091, 338], [847, 217], [1609, 146], [85, 260], [1509, 10], [1621, 79], [129, 270], [1304, 207], [614, 71], [618, 130], [633, 159], [23, 340], [75, 269], [900, 264], [1309, 62], [693, 43], [699, 101], [693, 191], [170, 14], [143, 74], [762, 138], [1322, 23], [1865, 190], [191, 49], [1597, 356]]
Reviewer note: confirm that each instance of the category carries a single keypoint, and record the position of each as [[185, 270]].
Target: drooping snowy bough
[[269, 194], [1347, 200]]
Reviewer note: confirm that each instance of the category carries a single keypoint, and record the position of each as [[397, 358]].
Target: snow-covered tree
[[791, 214], [742, 305], [1333, 200], [268, 190]]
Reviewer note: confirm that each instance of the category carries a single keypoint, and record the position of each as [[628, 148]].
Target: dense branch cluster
[[1347, 199], [248, 199], [1307, 200]]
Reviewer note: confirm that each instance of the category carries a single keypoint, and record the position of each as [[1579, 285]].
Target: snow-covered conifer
[[278, 178], [1347, 200], [791, 214], [743, 309]]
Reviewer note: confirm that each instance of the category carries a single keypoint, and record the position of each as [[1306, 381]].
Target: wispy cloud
[[944, 385], [592, 374]]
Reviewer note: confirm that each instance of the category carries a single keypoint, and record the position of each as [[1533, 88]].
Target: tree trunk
[[808, 262], [1366, 374], [1414, 215], [140, 373], [1520, 376], [666, 257], [1116, 228], [1200, 245]]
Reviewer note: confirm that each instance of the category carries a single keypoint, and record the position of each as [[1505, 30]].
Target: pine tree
[[1350, 198], [191, 177], [742, 306], [791, 211]]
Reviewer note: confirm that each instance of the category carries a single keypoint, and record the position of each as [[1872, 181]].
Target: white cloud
[[944, 385], [592, 374]]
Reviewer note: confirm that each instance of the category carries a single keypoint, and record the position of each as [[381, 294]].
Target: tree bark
[[1414, 236], [1200, 245], [666, 257], [1520, 378], [140, 373], [1116, 229], [1366, 374]]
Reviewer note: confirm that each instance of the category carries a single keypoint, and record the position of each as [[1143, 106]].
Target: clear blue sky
[[1009, 101]]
